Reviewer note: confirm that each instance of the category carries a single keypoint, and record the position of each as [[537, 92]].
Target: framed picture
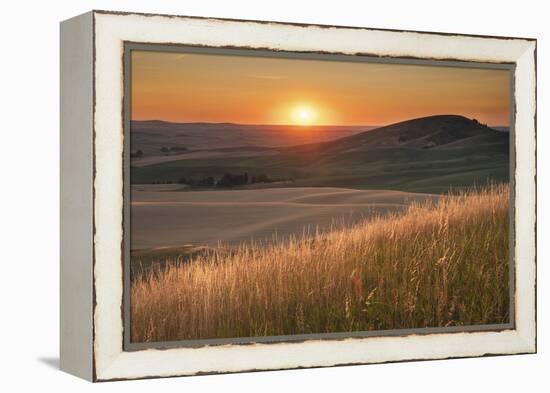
[[246, 195]]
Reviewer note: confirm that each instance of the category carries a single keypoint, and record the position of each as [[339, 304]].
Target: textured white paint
[[525, 202], [112, 362]]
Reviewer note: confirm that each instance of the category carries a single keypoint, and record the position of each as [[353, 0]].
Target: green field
[[423, 155], [404, 169]]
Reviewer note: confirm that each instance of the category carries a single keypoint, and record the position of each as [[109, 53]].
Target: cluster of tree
[[478, 122], [264, 179], [203, 182], [137, 154], [161, 182], [231, 180], [228, 180], [173, 149]]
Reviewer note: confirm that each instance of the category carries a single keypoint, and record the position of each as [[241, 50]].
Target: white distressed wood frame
[[92, 51]]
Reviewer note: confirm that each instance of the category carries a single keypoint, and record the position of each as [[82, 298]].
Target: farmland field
[[172, 218]]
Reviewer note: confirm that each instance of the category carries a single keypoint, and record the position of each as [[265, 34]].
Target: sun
[[303, 115]]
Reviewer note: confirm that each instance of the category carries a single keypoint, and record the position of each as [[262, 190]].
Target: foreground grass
[[432, 266]]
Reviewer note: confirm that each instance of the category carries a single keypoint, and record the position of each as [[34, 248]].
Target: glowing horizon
[[187, 88]]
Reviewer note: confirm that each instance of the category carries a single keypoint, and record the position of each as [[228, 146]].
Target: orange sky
[[185, 87]]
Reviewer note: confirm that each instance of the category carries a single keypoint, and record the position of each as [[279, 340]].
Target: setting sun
[[303, 115], [179, 87]]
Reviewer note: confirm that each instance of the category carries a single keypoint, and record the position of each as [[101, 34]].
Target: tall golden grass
[[434, 265]]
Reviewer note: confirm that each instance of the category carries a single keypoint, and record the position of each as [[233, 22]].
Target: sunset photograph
[[286, 194]]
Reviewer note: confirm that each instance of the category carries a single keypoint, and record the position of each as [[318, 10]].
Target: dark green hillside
[[425, 133], [429, 154]]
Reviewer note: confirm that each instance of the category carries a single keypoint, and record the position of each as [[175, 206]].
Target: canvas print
[[280, 195]]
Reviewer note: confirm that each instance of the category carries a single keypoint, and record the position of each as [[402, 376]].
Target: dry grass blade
[[434, 265]]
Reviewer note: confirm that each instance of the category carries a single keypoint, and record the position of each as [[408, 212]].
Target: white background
[[29, 196]]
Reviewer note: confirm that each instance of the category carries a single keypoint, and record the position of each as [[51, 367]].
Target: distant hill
[[426, 133], [152, 135], [429, 154]]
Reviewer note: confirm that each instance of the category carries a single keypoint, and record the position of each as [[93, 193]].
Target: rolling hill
[[430, 154], [152, 135], [425, 132]]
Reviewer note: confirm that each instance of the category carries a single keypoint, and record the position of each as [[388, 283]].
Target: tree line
[[230, 180]]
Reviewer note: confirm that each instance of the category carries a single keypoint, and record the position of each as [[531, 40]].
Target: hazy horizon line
[[302, 125], [259, 124]]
